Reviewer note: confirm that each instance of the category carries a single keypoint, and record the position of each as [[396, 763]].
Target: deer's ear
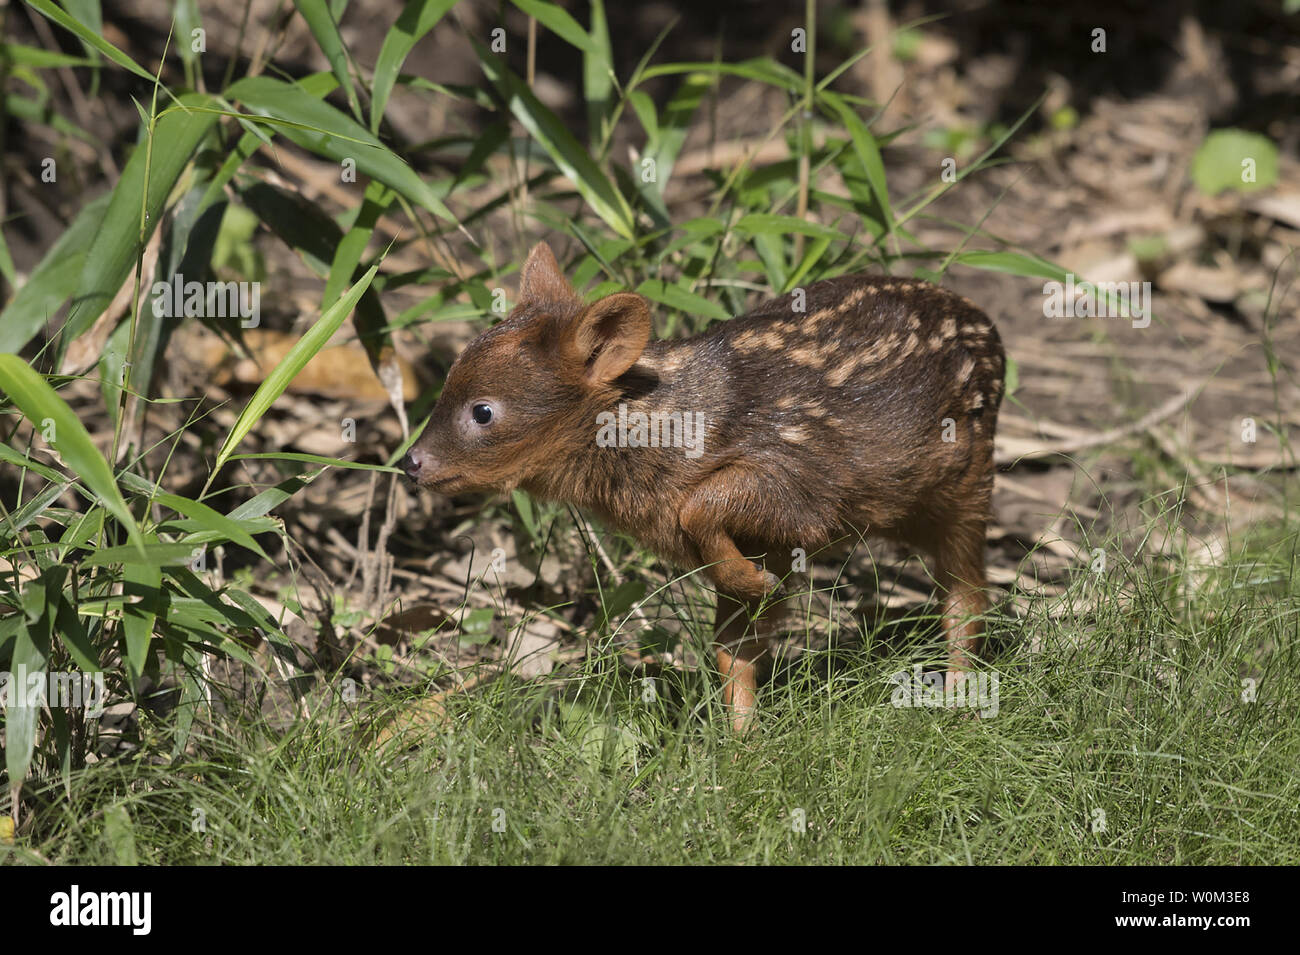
[[541, 281], [609, 335]]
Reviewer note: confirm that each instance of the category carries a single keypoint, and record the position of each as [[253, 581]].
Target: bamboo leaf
[[761, 223], [89, 37], [21, 719], [209, 519], [74, 635], [664, 142], [320, 20], [674, 296], [21, 55], [1015, 263], [177, 134], [143, 581], [53, 281], [418, 18], [558, 21], [292, 363], [318, 127], [155, 554], [554, 137], [598, 75], [188, 19], [79, 533], [10, 456], [40, 404], [266, 501]]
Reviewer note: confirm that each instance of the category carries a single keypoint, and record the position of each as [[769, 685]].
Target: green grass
[[1133, 708]]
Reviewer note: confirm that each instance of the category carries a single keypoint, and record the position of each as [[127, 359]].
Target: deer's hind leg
[[959, 568]]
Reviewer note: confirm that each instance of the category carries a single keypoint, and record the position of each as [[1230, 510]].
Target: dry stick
[[384, 560], [437, 583], [1041, 426], [1013, 450], [256, 62], [239, 45], [697, 161], [346, 546], [530, 75], [87, 348], [79, 102], [609, 565], [805, 131], [363, 541]]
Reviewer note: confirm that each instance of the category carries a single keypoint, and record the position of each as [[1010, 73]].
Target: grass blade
[[864, 144], [316, 459], [598, 76], [761, 69]]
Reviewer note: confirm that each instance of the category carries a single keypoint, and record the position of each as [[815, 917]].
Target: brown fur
[[814, 422]]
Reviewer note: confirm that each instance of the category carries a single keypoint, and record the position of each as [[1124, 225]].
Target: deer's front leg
[[739, 629]]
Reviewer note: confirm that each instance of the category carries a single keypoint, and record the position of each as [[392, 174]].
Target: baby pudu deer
[[861, 404]]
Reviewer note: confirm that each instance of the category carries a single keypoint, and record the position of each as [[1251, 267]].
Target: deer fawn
[[866, 403]]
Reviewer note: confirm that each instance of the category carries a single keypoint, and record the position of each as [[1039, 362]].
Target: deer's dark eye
[[482, 414]]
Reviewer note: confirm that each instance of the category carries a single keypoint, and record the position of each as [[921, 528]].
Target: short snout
[[424, 469], [416, 463]]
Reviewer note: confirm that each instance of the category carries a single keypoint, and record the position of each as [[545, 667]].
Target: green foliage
[[476, 626], [233, 249], [1234, 159]]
